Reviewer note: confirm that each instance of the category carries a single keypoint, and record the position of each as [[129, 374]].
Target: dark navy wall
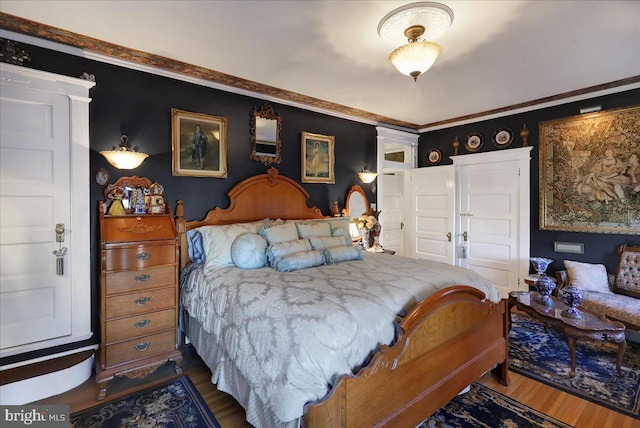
[[141, 103], [598, 248]]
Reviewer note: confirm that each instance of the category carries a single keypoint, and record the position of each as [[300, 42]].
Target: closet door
[[488, 222], [44, 126], [493, 213], [35, 302], [434, 208]]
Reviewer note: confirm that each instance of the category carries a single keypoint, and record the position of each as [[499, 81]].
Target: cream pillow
[[587, 276]]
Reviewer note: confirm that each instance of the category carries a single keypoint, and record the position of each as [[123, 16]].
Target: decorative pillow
[[217, 241], [322, 242], [342, 254], [301, 260], [587, 276], [313, 228], [279, 233], [249, 251], [344, 233], [339, 223], [285, 248], [195, 247]]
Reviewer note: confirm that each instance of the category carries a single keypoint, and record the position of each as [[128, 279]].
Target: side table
[[590, 327]]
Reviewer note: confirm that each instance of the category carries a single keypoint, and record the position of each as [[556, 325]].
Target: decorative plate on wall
[[502, 137], [435, 156], [102, 177], [474, 142]]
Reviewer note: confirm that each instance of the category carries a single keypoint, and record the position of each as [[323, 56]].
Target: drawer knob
[[141, 347], [142, 278], [142, 300], [143, 256], [143, 323]]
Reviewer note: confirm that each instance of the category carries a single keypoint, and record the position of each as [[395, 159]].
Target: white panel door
[[35, 303], [434, 208], [392, 216], [488, 217]]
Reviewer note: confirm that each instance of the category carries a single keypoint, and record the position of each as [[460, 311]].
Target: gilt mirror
[[265, 135], [356, 203]]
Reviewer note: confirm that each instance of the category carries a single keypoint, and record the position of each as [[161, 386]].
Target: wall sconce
[[367, 176], [123, 156]]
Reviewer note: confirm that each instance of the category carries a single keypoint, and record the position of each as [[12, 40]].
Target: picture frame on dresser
[[198, 144]]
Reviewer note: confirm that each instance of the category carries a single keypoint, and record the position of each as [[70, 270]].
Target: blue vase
[[540, 264], [545, 286], [572, 297]]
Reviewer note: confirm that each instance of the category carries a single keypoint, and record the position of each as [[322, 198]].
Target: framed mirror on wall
[[266, 126]]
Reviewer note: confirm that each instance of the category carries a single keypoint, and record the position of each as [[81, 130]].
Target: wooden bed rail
[[448, 341]]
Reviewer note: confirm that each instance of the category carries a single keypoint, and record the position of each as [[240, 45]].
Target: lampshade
[[419, 24], [367, 177], [415, 58], [124, 157]]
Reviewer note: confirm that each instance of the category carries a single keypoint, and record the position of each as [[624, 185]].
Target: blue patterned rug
[[544, 356], [175, 404], [484, 407]]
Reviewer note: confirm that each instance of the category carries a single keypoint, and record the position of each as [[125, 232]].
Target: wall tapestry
[[199, 144], [590, 172]]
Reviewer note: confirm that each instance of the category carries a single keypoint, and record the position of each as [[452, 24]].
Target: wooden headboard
[[268, 195]]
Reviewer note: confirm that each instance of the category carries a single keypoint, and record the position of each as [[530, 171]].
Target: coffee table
[[591, 326]]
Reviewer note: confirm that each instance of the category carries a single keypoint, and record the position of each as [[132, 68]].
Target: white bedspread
[[291, 334]]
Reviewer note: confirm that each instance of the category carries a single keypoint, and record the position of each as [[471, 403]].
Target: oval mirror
[[265, 135], [356, 203]]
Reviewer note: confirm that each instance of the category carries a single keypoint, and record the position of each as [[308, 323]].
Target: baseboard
[[42, 379]]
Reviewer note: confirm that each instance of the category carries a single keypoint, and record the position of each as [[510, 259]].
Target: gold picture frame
[[318, 158], [198, 144], [590, 172]]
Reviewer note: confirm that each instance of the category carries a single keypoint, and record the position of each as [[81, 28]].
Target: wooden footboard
[[448, 341]]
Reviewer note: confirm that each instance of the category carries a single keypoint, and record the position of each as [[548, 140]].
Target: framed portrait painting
[[198, 144], [590, 172], [317, 158]]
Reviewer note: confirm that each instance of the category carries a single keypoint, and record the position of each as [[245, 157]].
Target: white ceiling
[[496, 53]]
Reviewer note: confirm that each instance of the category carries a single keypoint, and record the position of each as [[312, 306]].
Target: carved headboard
[[268, 195]]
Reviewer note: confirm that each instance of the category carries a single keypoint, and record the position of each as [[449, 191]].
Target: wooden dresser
[[138, 296]]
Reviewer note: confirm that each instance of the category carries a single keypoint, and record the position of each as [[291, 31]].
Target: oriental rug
[[484, 407], [174, 404], [544, 356]]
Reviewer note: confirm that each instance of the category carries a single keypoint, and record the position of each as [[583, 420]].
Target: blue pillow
[[295, 261], [195, 246], [322, 242], [285, 248], [249, 251], [342, 254], [279, 233]]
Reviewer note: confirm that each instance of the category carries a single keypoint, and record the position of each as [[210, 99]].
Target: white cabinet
[[475, 214]]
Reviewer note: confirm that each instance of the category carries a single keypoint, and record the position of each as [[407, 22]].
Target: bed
[[355, 341]]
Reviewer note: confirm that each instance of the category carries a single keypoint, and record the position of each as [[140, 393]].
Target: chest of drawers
[[138, 296]]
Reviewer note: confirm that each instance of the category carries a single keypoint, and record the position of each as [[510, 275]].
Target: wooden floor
[[560, 405]]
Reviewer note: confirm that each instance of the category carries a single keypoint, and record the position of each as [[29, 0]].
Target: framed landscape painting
[[590, 172], [198, 144], [317, 158]]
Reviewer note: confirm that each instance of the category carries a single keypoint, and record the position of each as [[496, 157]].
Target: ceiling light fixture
[[418, 23], [123, 156]]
